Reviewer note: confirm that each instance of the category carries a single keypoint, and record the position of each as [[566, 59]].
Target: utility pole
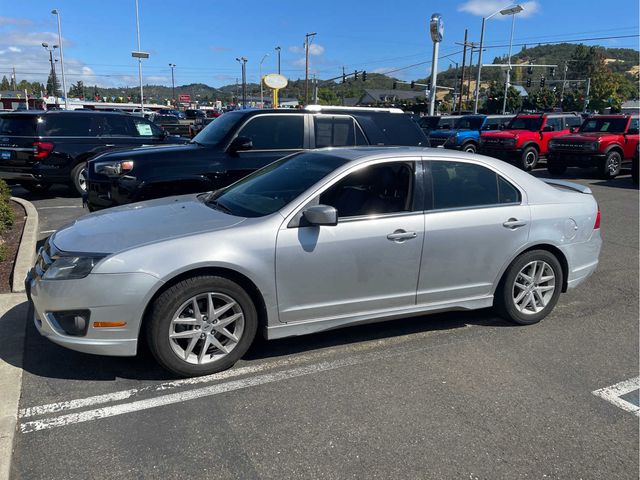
[[139, 59], [564, 82], [14, 82], [464, 61], [586, 97], [508, 80], [306, 66], [173, 84], [472, 45], [243, 62]]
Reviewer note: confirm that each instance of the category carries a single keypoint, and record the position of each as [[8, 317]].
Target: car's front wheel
[[469, 147], [611, 166], [201, 325], [530, 288], [529, 159], [79, 178]]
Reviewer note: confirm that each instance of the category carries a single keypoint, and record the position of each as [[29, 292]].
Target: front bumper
[[506, 154], [575, 159], [109, 298], [106, 193]]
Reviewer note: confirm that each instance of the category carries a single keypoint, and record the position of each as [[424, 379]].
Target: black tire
[[611, 166], [36, 187], [503, 299], [79, 178], [528, 159], [158, 324], [555, 169], [469, 147]]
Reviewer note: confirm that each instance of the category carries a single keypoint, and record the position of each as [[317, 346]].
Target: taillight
[[597, 224], [42, 149]]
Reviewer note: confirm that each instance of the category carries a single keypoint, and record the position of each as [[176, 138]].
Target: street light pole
[[53, 65], [306, 66], [243, 62], [261, 88], [64, 82], [436, 28], [508, 79], [278, 50], [139, 59], [173, 84]]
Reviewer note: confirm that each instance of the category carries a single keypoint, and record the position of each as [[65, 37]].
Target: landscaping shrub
[[7, 217]]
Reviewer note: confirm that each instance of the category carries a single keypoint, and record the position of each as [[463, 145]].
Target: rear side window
[[466, 185], [117, 126], [71, 125], [634, 124], [399, 129], [556, 123], [334, 131], [18, 125], [572, 122], [275, 132]]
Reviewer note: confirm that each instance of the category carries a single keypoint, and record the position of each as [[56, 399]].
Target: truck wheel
[[529, 159], [469, 147], [611, 166], [36, 187], [530, 288], [79, 177], [201, 325], [555, 169]]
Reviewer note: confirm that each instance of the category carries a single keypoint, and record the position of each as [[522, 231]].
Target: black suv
[[236, 144], [38, 148]]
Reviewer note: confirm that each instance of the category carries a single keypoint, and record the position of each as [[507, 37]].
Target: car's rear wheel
[[529, 159], [79, 178], [469, 147], [611, 166], [201, 325], [530, 288], [36, 187], [555, 169]]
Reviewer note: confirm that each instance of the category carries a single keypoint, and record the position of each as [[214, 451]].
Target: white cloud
[[15, 49], [483, 8], [314, 49], [14, 21]]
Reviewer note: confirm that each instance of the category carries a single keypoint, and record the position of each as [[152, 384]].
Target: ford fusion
[[315, 241]]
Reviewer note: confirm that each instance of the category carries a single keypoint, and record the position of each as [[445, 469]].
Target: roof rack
[[320, 108]]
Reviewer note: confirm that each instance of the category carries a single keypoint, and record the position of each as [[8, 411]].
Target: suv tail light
[[597, 224], [42, 149]]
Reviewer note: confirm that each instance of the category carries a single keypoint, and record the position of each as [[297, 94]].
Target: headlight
[[114, 167], [552, 143], [509, 142], [451, 139], [67, 268], [593, 146]]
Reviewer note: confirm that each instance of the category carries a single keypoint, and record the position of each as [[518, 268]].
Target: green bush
[[5, 191], [3, 252], [7, 217]]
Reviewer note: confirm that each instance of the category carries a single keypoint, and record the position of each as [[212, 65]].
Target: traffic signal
[[542, 81], [528, 82], [552, 71], [355, 74], [364, 76], [413, 84], [530, 70], [344, 78], [395, 85]]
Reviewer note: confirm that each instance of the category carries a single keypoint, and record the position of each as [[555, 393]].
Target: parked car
[[142, 113], [465, 134], [172, 111], [199, 124], [525, 139], [236, 144], [171, 124], [606, 142], [192, 114], [337, 233], [38, 148]]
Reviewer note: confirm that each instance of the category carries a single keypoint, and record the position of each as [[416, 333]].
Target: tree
[[495, 99], [53, 85], [542, 99], [77, 90], [328, 97], [5, 85]]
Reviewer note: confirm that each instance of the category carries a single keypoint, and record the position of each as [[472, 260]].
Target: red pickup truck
[[524, 140], [606, 142]]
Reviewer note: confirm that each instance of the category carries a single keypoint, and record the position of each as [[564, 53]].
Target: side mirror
[[240, 143], [321, 215], [574, 129], [547, 128], [164, 134], [633, 131]]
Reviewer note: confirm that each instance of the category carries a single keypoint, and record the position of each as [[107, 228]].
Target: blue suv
[[465, 134]]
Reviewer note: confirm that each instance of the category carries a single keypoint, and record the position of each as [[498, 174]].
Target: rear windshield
[[400, 130], [608, 125], [18, 125], [525, 123]]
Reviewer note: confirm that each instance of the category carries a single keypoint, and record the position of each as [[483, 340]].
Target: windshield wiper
[[219, 206]]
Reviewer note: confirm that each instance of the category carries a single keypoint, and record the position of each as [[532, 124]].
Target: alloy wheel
[[533, 287], [530, 159], [613, 164], [206, 328], [82, 179]]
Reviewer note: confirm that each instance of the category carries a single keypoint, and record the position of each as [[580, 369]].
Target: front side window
[[525, 123], [467, 185], [117, 126], [275, 132], [334, 131], [144, 128], [376, 190], [469, 123], [555, 123]]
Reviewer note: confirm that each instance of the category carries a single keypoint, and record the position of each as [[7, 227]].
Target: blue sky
[[203, 37]]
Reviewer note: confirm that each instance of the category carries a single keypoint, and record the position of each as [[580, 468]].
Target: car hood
[[443, 133], [505, 133], [155, 151], [117, 229]]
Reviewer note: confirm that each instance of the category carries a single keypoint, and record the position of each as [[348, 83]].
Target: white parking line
[[613, 393], [59, 206], [123, 408], [236, 372]]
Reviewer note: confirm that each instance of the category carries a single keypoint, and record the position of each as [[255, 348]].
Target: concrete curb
[[27, 249], [13, 321]]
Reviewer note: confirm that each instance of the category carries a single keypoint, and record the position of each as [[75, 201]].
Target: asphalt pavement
[[457, 395]]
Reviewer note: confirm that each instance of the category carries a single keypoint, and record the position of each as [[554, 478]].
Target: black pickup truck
[[39, 148], [236, 144]]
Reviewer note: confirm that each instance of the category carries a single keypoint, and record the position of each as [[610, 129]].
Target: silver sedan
[[315, 241]]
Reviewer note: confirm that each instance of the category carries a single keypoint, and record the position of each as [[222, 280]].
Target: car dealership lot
[[446, 396]]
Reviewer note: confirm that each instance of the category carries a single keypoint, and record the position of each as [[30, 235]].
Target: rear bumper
[[575, 159], [582, 259], [17, 176]]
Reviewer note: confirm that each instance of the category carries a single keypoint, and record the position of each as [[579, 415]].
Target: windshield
[[469, 123], [608, 125], [274, 186], [525, 123], [216, 131]]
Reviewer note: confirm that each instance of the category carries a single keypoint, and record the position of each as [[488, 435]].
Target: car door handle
[[110, 145], [401, 235], [514, 223]]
